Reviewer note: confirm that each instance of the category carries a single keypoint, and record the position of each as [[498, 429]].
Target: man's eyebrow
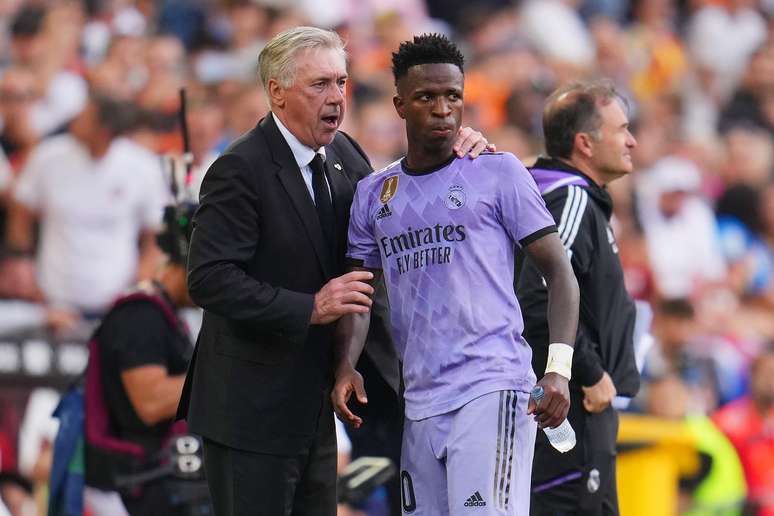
[[329, 78]]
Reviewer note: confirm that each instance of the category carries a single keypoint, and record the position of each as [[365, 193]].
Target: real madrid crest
[[455, 198], [389, 188]]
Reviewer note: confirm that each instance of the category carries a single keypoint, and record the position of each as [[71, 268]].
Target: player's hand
[[471, 142], [348, 381], [554, 405], [600, 395], [346, 294]]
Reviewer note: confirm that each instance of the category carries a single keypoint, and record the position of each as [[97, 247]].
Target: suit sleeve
[[575, 222], [225, 236]]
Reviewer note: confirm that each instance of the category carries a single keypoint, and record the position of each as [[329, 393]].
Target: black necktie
[[322, 200]]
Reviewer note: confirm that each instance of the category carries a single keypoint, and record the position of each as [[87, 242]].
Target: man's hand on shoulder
[[553, 408], [347, 294], [471, 142], [600, 395], [348, 380]]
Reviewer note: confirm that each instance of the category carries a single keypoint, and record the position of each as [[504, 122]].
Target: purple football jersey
[[445, 241]]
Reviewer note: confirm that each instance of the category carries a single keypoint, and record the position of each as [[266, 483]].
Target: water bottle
[[563, 436]]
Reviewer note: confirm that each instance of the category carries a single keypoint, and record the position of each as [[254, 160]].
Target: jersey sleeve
[[362, 246], [522, 209]]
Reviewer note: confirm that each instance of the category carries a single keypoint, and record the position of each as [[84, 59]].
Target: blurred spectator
[[244, 108], [35, 44], [245, 25], [568, 42], [749, 424], [722, 36], [679, 228], [380, 132], [205, 127], [753, 102], [749, 156], [96, 195], [740, 229], [18, 93], [678, 353], [718, 487], [654, 49]]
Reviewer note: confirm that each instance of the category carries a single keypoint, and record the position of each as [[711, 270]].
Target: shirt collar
[[301, 153]]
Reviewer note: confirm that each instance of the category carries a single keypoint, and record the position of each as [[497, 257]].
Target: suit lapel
[[290, 177]]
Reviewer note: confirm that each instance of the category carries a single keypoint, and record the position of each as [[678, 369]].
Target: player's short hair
[[425, 49], [574, 108], [277, 59]]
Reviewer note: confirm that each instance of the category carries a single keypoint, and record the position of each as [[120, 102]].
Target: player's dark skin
[[430, 100]]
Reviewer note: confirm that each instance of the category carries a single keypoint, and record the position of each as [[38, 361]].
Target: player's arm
[[549, 256], [349, 341], [587, 367]]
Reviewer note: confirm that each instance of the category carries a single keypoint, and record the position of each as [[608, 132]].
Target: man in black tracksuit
[[588, 143]]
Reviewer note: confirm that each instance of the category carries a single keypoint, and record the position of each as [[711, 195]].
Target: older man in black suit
[[265, 261]]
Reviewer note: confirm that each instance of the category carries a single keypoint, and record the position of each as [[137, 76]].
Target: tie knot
[[317, 164]]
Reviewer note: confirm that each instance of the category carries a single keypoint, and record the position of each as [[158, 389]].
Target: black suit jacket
[[260, 372]]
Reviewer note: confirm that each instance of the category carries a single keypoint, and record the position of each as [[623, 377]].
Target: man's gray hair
[[277, 59]]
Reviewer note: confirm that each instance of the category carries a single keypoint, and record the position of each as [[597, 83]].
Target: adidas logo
[[383, 212], [475, 500]]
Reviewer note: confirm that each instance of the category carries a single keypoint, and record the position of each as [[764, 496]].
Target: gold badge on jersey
[[389, 187]]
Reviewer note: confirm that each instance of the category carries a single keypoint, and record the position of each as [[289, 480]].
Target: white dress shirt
[[303, 156]]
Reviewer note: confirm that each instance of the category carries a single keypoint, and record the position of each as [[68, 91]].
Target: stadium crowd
[[89, 100]]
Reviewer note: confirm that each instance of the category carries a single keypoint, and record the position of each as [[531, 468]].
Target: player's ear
[[397, 101]]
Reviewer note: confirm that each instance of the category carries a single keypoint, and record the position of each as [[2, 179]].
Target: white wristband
[[559, 359]]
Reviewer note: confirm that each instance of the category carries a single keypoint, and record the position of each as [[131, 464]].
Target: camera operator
[[144, 353]]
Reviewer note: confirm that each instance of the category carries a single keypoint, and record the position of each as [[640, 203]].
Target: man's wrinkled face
[[612, 142], [315, 103]]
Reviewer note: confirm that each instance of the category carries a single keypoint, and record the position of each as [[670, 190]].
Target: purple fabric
[[477, 458], [557, 481], [545, 179], [445, 242]]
